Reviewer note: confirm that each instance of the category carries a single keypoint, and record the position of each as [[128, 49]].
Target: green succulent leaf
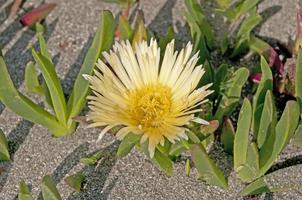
[[76, 181], [177, 148], [127, 144], [268, 119], [24, 193], [208, 75], [46, 54], [166, 148], [257, 187], [53, 84], [249, 171], [4, 154], [102, 42], [163, 41], [242, 135], [194, 12], [121, 2], [298, 79], [201, 31], [49, 190], [193, 137], [163, 162], [206, 168], [23, 106], [224, 4], [227, 136], [31, 79], [219, 78], [243, 35], [43, 47], [242, 7], [232, 94], [140, 31], [188, 167], [265, 84], [92, 160], [125, 29], [276, 142]]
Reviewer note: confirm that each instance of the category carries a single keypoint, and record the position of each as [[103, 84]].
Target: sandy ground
[[35, 153]]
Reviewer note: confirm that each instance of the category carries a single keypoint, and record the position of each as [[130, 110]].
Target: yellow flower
[[145, 96]]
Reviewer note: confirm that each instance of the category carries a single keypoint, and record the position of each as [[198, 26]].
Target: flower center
[[149, 105]]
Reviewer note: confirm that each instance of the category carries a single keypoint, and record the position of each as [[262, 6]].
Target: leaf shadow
[[4, 10], [67, 164], [266, 15], [15, 138], [96, 176], [221, 158], [296, 160], [164, 18], [74, 69]]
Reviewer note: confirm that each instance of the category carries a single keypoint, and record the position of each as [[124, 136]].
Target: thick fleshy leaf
[[243, 35], [76, 181], [37, 14], [24, 193], [102, 42], [249, 171], [227, 136], [206, 168], [92, 160], [53, 84], [140, 31], [4, 154], [177, 148], [298, 78], [276, 142], [208, 75], [201, 31], [124, 29], [31, 79], [49, 190], [218, 80], [163, 162], [242, 7], [195, 11], [268, 119], [210, 128], [188, 167], [242, 135], [224, 4], [265, 84], [46, 54], [298, 42], [23, 106], [121, 2], [163, 41], [166, 148], [192, 137], [257, 187], [127, 144], [232, 93]]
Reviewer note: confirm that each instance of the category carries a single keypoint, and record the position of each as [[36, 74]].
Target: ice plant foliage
[[140, 94]]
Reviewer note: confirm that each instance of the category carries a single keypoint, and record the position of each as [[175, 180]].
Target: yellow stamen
[[149, 105]]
